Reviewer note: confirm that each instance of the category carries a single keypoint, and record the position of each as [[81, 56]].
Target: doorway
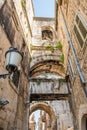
[[84, 122]]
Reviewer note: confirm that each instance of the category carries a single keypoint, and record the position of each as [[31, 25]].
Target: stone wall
[[50, 87], [12, 115], [38, 24], [78, 95], [60, 116], [25, 13]]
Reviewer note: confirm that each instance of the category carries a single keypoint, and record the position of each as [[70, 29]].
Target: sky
[[44, 8], [37, 115]]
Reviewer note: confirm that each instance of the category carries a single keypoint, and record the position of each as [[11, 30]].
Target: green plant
[[30, 58], [31, 47], [59, 45], [62, 58], [23, 4], [50, 47]]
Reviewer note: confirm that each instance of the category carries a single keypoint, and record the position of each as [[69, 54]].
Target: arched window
[[47, 35], [84, 122]]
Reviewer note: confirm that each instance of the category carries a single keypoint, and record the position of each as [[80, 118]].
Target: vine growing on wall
[[23, 4], [62, 58], [30, 58], [50, 47], [59, 46]]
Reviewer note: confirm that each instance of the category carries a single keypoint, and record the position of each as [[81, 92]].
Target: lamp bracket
[[5, 76]]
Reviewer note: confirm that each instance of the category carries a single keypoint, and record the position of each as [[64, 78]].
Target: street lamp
[[13, 58], [3, 102]]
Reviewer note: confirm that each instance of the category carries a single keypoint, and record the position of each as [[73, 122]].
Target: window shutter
[[80, 29]]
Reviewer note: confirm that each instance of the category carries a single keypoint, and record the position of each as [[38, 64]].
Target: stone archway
[[44, 106], [47, 66], [83, 117], [84, 122]]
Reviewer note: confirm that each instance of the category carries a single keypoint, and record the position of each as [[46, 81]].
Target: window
[[84, 122], [47, 35], [15, 78], [80, 29]]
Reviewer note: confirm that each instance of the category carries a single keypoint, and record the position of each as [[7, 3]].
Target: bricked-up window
[[84, 122], [47, 35], [7, 21], [15, 78], [80, 29]]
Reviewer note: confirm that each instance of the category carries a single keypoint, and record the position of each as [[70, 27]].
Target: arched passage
[[47, 66], [44, 106], [83, 117], [84, 122]]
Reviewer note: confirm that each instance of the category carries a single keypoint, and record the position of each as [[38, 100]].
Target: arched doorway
[[83, 117], [45, 107], [39, 120], [84, 122]]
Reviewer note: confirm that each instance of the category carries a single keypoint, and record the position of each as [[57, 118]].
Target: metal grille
[[78, 36], [15, 78], [77, 19], [82, 29]]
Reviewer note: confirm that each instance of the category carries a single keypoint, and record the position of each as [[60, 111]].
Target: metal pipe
[[5, 75], [82, 78], [71, 67]]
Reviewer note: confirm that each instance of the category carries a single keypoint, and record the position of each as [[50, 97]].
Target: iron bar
[[4, 76]]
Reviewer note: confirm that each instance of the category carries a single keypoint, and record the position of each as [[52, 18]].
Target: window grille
[[80, 29], [15, 78]]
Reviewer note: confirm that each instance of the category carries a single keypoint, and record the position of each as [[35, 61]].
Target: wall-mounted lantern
[[3, 102], [13, 59]]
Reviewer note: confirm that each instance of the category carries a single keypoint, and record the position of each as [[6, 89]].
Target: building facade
[[52, 77], [73, 16], [13, 89]]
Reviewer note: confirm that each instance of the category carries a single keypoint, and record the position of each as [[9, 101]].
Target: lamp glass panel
[[13, 58]]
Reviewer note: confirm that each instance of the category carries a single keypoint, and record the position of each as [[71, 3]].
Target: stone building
[[32, 123], [48, 80], [72, 30], [53, 74], [13, 90]]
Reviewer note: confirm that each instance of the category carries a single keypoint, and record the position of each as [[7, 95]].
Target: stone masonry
[[52, 77], [13, 115], [79, 99]]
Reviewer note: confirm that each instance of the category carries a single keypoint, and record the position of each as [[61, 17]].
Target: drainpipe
[[82, 78]]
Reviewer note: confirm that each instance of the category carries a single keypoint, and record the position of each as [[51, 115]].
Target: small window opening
[[47, 35]]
